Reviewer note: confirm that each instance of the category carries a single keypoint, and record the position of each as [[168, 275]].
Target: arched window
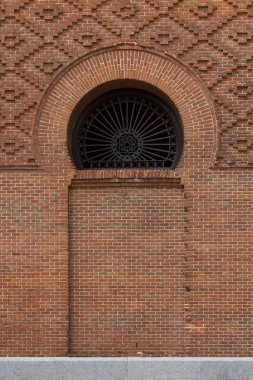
[[127, 128]]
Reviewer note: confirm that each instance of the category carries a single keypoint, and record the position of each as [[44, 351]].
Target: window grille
[[127, 129]]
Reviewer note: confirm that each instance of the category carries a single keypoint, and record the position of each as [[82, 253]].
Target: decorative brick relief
[[203, 63], [11, 94], [11, 145], [242, 37], [124, 19], [38, 38], [49, 66], [48, 12], [14, 143], [164, 37], [87, 39], [202, 10], [242, 144], [153, 3], [240, 5], [124, 11], [11, 40], [242, 90]]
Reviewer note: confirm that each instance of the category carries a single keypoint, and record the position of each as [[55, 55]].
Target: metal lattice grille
[[127, 129]]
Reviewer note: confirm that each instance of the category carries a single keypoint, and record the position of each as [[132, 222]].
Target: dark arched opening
[[127, 128]]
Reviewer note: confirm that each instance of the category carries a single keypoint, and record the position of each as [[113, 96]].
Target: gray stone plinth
[[126, 368]]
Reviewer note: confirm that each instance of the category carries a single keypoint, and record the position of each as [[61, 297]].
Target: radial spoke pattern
[[126, 130]]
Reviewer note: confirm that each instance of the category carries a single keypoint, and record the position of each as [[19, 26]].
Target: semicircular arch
[[119, 64]]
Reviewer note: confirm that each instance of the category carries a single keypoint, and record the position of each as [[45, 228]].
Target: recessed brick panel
[[126, 271]]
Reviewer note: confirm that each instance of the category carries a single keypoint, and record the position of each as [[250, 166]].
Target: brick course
[[67, 284]]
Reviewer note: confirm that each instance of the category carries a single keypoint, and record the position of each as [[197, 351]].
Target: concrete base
[[126, 368]]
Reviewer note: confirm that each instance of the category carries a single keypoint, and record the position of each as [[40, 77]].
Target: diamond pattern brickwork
[[39, 38]]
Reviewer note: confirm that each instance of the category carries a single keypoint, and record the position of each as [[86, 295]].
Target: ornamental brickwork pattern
[[39, 38]]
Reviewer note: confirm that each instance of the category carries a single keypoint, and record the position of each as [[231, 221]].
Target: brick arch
[[126, 62]]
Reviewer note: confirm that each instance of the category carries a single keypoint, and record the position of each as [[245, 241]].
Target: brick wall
[[54, 58]]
